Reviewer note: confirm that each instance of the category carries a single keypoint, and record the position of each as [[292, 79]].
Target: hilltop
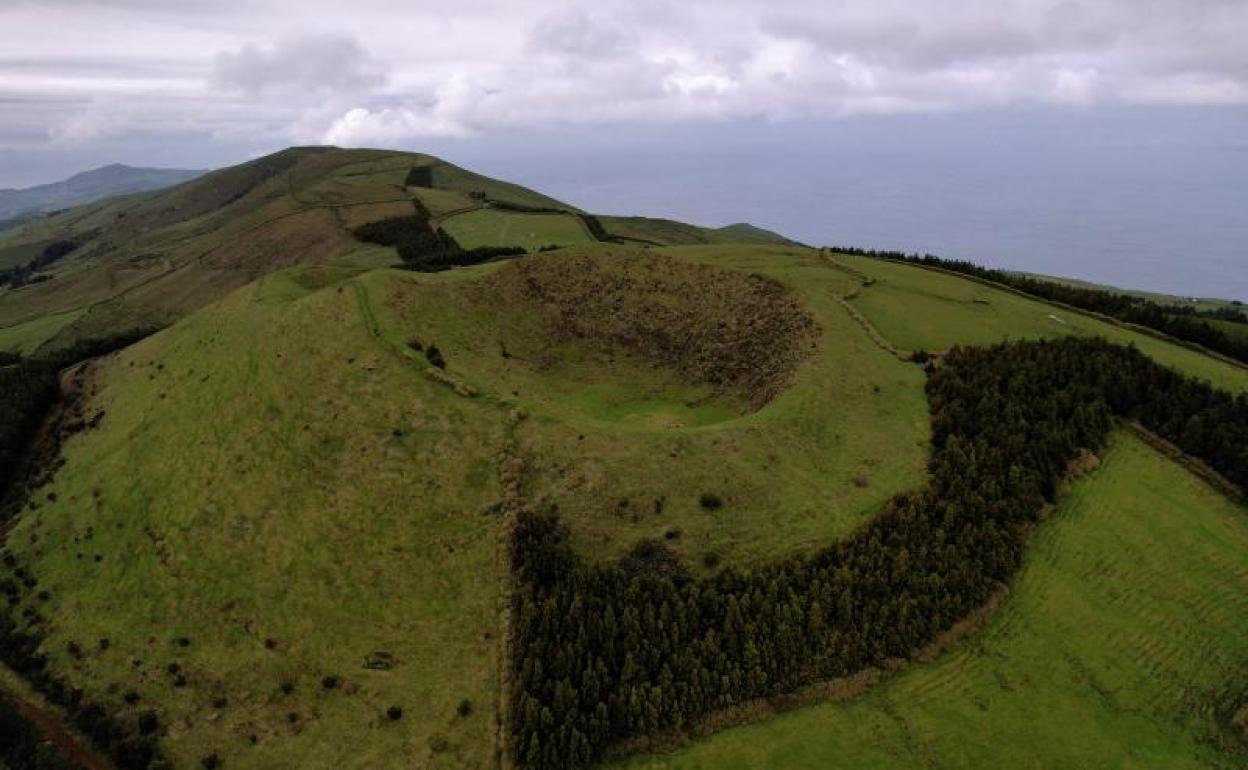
[[143, 261], [418, 460]]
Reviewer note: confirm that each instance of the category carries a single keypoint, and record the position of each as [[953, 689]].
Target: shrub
[[464, 708], [434, 357], [394, 713], [710, 501], [148, 723], [329, 682]]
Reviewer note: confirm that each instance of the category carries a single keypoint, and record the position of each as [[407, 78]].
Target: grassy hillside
[[923, 309], [1199, 303], [288, 519], [666, 232], [490, 227], [89, 186], [625, 448], [335, 510], [1121, 645], [148, 259], [283, 466]]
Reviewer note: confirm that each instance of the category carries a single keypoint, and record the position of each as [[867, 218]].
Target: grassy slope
[[492, 227], [151, 258], [671, 233], [1128, 620], [247, 482], [268, 469], [1201, 303], [609, 436], [917, 308], [448, 176]]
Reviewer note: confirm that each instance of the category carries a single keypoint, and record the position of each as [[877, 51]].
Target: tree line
[[1178, 321], [424, 249], [28, 273], [23, 748], [29, 388], [603, 654]]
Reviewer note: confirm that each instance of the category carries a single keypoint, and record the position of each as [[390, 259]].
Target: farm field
[[494, 227], [1120, 645], [915, 308]]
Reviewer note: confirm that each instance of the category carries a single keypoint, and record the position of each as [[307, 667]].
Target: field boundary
[[1149, 331], [874, 333], [839, 690], [1193, 464]]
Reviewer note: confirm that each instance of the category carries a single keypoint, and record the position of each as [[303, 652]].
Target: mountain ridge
[[88, 186]]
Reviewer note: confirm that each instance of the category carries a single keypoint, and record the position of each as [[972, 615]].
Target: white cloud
[[389, 72]]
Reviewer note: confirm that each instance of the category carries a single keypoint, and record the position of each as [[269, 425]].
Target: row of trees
[[604, 654], [1184, 323], [28, 273], [424, 249]]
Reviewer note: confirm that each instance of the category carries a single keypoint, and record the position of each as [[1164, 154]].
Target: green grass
[[610, 437], [1125, 629], [162, 255], [447, 176], [280, 465], [668, 232], [26, 337], [916, 308], [268, 469], [495, 227], [1200, 303], [1232, 328], [439, 202]]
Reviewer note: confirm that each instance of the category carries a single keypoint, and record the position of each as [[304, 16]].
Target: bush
[[434, 357], [464, 708], [419, 176], [710, 501]]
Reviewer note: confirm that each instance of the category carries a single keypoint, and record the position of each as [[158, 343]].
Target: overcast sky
[[237, 75], [641, 106]]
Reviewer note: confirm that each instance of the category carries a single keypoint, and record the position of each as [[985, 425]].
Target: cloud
[[374, 72], [327, 63]]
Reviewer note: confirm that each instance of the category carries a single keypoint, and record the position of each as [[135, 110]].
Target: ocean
[[1147, 199]]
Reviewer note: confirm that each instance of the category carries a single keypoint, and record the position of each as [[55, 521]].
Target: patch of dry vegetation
[[740, 333]]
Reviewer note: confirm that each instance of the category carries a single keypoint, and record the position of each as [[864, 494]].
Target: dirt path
[[53, 730]]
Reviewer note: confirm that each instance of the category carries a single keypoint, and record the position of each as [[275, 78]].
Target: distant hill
[[146, 259], [89, 186]]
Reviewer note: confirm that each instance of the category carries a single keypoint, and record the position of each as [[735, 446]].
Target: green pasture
[[1121, 645], [916, 308]]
